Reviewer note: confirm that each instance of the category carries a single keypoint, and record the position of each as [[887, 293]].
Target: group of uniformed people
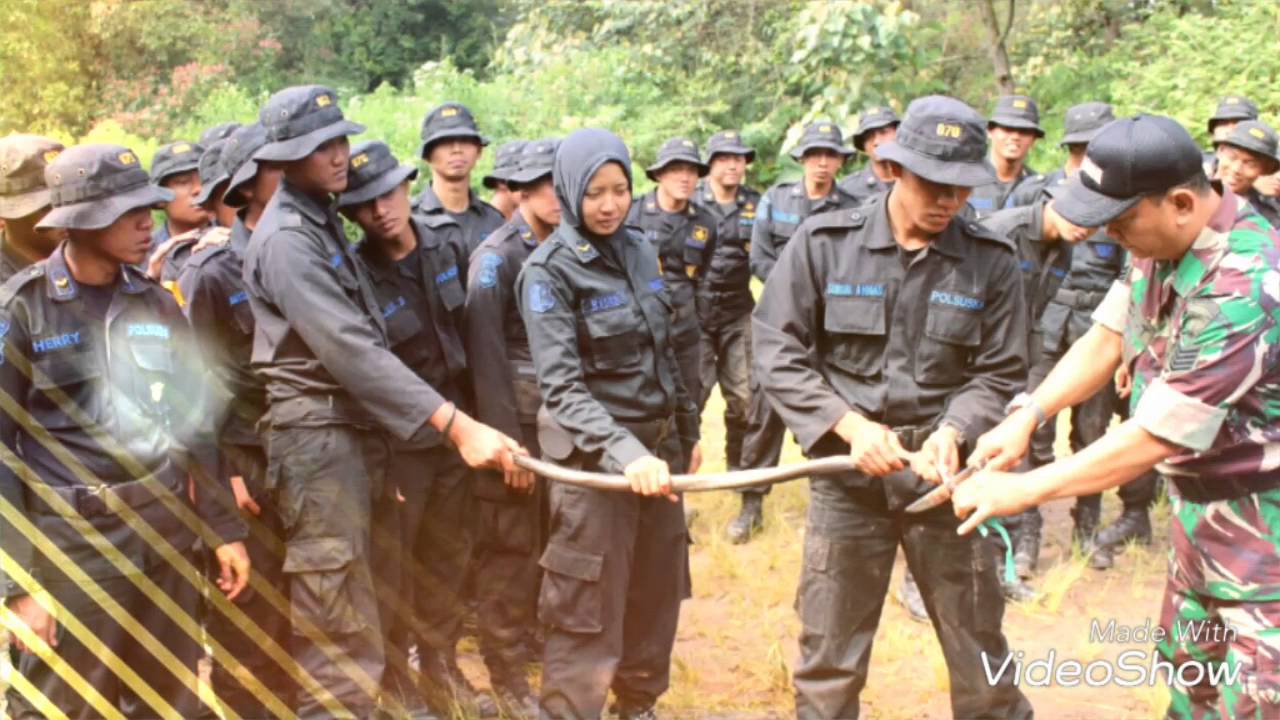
[[330, 431]]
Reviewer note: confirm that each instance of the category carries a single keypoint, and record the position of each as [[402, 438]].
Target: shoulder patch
[[489, 264], [540, 298], [976, 229]]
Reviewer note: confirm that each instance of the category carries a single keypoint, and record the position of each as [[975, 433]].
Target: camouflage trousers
[[1222, 607]]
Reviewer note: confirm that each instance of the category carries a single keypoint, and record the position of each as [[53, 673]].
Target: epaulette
[[287, 218], [199, 259], [542, 254], [842, 219], [635, 234], [136, 275], [975, 228], [18, 279]]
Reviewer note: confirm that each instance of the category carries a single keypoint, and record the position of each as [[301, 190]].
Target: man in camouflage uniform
[[1247, 153], [821, 153], [1195, 322], [876, 126], [1230, 112]]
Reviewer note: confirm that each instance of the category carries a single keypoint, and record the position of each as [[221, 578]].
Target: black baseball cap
[[373, 172], [942, 140], [1128, 159]]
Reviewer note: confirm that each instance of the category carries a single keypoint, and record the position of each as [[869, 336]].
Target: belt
[[107, 499], [912, 437], [317, 409], [1205, 490], [651, 433], [1079, 299]]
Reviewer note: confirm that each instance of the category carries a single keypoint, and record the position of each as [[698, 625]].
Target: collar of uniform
[[239, 236], [522, 229], [649, 203], [62, 287], [313, 210], [427, 238], [1209, 245], [429, 202], [880, 231]]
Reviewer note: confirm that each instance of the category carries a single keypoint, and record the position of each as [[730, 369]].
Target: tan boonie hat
[[23, 159]]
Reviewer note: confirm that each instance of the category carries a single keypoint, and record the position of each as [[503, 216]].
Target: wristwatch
[[1024, 400]]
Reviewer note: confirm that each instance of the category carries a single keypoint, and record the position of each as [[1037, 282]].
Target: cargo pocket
[[571, 594], [614, 341], [322, 588], [856, 330], [816, 596], [950, 338], [528, 398]]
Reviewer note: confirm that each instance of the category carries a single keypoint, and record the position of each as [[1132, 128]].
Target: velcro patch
[[600, 303], [447, 275], [56, 342], [154, 330]]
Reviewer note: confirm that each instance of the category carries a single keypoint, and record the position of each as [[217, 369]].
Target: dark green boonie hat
[[1256, 137], [23, 159], [1233, 107], [91, 186], [1018, 112], [822, 134], [300, 119], [174, 159], [237, 160], [677, 149], [373, 171], [536, 162], [873, 119], [211, 172], [943, 141], [1083, 121], [221, 131], [728, 142], [450, 120], [505, 162]]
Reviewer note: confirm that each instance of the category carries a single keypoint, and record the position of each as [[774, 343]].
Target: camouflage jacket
[[1202, 341]]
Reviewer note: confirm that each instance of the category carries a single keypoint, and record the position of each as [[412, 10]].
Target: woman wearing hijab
[[599, 324]]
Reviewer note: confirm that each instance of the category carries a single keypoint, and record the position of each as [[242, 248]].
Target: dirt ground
[[737, 639]]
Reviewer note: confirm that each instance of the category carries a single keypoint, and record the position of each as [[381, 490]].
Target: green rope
[[1010, 573]]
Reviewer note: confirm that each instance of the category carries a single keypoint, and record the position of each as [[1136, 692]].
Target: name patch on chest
[[56, 342], [835, 289], [237, 298], [600, 303], [151, 330], [393, 306], [447, 275], [956, 300]]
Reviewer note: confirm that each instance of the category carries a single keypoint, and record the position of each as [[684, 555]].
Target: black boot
[[1085, 526], [1134, 524], [749, 520]]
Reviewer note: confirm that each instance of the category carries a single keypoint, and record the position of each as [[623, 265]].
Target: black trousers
[[617, 568], [265, 546], [509, 540], [762, 444], [726, 359], [850, 543], [79, 601], [332, 493]]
